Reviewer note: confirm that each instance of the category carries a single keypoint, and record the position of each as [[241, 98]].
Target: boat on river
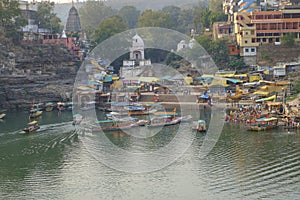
[[113, 125], [163, 121], [2, 115], [35, 113], [199, 126], [77, 119], [32, 126], [263, 124], [49, 106]]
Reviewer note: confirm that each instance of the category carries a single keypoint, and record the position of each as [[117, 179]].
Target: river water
[[57, 162]]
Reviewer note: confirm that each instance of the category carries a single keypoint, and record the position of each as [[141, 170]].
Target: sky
[[59, 1]]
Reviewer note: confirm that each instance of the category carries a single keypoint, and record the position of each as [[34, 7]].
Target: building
[[73, 21], [255, 28], [137, 62]]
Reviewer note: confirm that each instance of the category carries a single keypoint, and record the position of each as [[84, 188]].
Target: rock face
[[35, 73]]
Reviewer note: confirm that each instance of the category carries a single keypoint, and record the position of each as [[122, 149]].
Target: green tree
[[11, 19], [108, 28], [92, 13], [237, 63], [46, 18], [185, 21], [173, 12], [288, 39], [130, 15], [215, 6], [151, 18], [216, 49]]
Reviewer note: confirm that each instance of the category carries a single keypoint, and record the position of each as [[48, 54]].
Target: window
[[252, 32], [252, 50], [246, 41], [246, 50]]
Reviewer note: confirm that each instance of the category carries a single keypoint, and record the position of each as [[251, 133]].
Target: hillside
[[270, 55]]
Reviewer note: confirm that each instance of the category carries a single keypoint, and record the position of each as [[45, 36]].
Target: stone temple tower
[[73, 21]]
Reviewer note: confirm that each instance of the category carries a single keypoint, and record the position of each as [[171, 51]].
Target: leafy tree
[[46, 18], [288, 39], [185, 21], [92, 13], [237, 63], [151, 18], [216, 49], [173, 12], [130, 15], [10, 18], [215, 6], [108, 28]]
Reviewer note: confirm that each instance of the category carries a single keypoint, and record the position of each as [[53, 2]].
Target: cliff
[[35, 73]]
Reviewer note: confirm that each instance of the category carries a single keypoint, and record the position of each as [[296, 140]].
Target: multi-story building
[[255, 28]]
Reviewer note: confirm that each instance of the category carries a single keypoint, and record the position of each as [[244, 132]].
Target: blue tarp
[[204, 96]]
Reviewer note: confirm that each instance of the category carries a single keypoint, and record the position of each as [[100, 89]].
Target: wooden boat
[[199, 126], [49, 106], [113, 125], [263, 124], [60, 106], [32, 126], [77, 119], [163, 121], [2, 115], [34, 113], [186, 118]]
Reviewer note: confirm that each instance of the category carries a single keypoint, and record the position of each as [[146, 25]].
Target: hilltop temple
[[73, 21], [137, 62]]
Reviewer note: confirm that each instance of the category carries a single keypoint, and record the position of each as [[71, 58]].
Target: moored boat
[[163, 121], [32, 126], [263, 124], [199, 126], [35, 113], [49, 106]]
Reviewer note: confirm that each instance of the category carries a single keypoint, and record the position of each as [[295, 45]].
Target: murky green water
[[56, 163]]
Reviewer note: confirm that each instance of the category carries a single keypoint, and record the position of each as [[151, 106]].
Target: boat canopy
[[32, 123], [264, 119]]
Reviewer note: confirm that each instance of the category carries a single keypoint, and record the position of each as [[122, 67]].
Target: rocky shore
[[35, 73]]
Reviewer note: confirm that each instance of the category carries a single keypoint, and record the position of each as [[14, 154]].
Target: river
[[57, 162]]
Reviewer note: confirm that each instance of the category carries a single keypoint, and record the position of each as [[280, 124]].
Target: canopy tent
[[271, 98], [148, 79], [259, 92]]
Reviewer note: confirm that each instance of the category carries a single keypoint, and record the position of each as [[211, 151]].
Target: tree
[[215, 6], [108, 28], [151, 18], [185, 21], [10, 18], [237, 63], [130, 15], [173, 12], [288, 39], [46, 18], [92, 13], [216, 49]]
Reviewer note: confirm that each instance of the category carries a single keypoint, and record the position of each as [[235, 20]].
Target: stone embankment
[[35, 73]]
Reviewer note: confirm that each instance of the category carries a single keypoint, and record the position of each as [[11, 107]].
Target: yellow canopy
[[32, 123], [259, 92], [148, 79]]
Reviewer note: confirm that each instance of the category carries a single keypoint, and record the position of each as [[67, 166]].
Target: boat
[[77, 119], [263, 124], [49, 106], [199, 126], [35, 113], [186, 118], [113, 125], [32, 126], [163, 121], [164, 113], [2, 115], [270, 98], [60, 106]]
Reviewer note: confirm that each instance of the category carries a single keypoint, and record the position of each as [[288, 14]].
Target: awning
[[148, 79], [261, 93], [264, 119]]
